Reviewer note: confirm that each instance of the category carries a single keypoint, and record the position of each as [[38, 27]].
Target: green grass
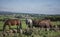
[[55, 23], [1, 25], [35, 33]]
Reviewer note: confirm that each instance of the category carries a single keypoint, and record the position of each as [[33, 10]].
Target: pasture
[[37, 32]]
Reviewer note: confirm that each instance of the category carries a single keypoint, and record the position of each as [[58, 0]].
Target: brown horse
[[44, 23], [12, 22]]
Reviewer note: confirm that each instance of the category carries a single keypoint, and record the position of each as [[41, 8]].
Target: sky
[[31, 6]]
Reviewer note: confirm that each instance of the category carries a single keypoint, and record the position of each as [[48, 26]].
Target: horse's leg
[[4, 27], [20, 26], [17, 29], [30, 26], [4, 34], [47, 28], [9, 27], [20, 30]]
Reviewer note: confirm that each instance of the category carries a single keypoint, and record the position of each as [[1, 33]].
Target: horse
[[29, 22], [12, 22], [44, 23]]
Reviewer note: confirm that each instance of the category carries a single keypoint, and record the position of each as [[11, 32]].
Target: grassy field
[[36, 32]]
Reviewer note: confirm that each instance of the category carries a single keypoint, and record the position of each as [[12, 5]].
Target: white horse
[[29, 22]]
